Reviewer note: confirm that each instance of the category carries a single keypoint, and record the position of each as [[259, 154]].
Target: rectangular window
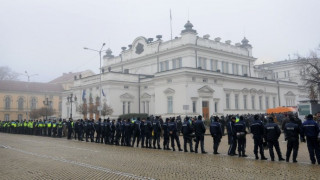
[[126, 87], [235, 69], [288, 73], [213, 65], [225, 67], [144, 106], [260, 102], [174, 63], [147, 107], [7, 117], [170, 103], [252, 101], [215, 107], [245, 102], [228, 101], [285, 74], [274, 102], [167, 65], [169, 80], [267, 102], [204, 63], [236, 101], [161, 66], [244, 69], [123, 107], [194, 103], [199, 62], [277, 75], [128, 107]]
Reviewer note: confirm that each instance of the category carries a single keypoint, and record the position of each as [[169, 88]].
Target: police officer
[[166, 135], [257, 129], [54, 128], [148, 130], [97, 126], [136, 132], [60, 126], [241, 132], [49, 127], [187, 130], [128, 132], [86, 129], [157, 131], [118, 132], [108, 132], [232, 137], [81, 130], [292, 131], [216, 133], [91, 129], [143, 132], [103, 135], [199, 129], [272, 134], [311, 129], [70, 127], [123, 125], [173, 131], [113, 131], [76, 129]]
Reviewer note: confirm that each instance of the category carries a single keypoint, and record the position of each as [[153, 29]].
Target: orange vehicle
[[281, 110]]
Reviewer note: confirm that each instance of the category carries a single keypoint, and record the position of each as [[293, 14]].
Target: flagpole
[[171, 24]]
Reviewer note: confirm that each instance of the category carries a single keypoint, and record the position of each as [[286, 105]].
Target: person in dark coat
[[272, 134], [216, 133], [200, 130], [187, 130]]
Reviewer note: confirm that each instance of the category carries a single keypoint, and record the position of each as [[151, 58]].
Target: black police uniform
[[292, 131], [232, 138], [199, 129], [187, 130], [173, 131], [136, 132], [311, 129], [257, 130], [216, 133], [166, 135], [240, 128], [272, 134], [156, 133]]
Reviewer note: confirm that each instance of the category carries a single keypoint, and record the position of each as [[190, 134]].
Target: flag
[[83, 94], [103, 93]]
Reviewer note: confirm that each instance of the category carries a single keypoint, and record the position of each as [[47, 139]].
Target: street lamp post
[[46, 102], [99, 108], [26, 74], [70, 100]]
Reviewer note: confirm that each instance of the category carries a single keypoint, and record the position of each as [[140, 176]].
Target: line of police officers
[[147, 133]]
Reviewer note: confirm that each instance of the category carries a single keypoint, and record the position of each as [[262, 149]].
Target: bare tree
[[106, 110], [7, 74], [45, 111], [34, 114], [310, 73], [82, 108]]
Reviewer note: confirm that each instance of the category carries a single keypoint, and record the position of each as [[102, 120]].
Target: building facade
[[19, 98], [189, 75]]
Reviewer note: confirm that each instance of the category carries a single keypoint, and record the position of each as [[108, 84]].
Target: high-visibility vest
[[49, 125], [30, 125], [54, 125], [72, 124], [25, 124], [59, 124]]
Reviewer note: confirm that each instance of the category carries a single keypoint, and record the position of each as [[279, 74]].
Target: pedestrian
[[166, 135], [60, 126], [70, 126], [272, 134], [187, 130], [240, 128], [173, 132], [136, 132], [310, 129], [200, 130], [292, 131], [118, 132], [127, 132], [232, 137], [76, 129], [97, 127], [103, 135], [257, 130], [49, 125], [216, 133], [156, 132], [148, 130]]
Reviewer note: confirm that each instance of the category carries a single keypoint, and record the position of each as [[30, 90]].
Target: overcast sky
[[47, 37]]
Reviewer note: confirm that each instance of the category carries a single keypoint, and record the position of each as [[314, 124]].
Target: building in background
[[188, 75], [19, 98]]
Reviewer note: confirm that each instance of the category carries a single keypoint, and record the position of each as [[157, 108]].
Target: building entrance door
[[205, 109]]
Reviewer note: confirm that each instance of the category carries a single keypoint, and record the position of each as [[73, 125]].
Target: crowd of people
[[146, 133]]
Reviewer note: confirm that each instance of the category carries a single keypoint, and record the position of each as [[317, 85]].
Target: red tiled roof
[[29, 86]]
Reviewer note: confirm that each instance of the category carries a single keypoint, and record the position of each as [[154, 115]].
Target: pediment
[[289, 93], [146, 96], [127, 96], [169, 91], [206, 89]]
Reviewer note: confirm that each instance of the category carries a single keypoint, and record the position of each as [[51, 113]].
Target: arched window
[[20, 103], [33, 103], [7, 102]]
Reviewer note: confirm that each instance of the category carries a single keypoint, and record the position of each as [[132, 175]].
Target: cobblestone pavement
[[34, 157]]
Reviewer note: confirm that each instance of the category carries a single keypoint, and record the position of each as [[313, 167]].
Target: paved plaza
[[35, 157]]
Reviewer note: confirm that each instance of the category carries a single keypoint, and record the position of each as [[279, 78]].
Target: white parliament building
[[188, 75]]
